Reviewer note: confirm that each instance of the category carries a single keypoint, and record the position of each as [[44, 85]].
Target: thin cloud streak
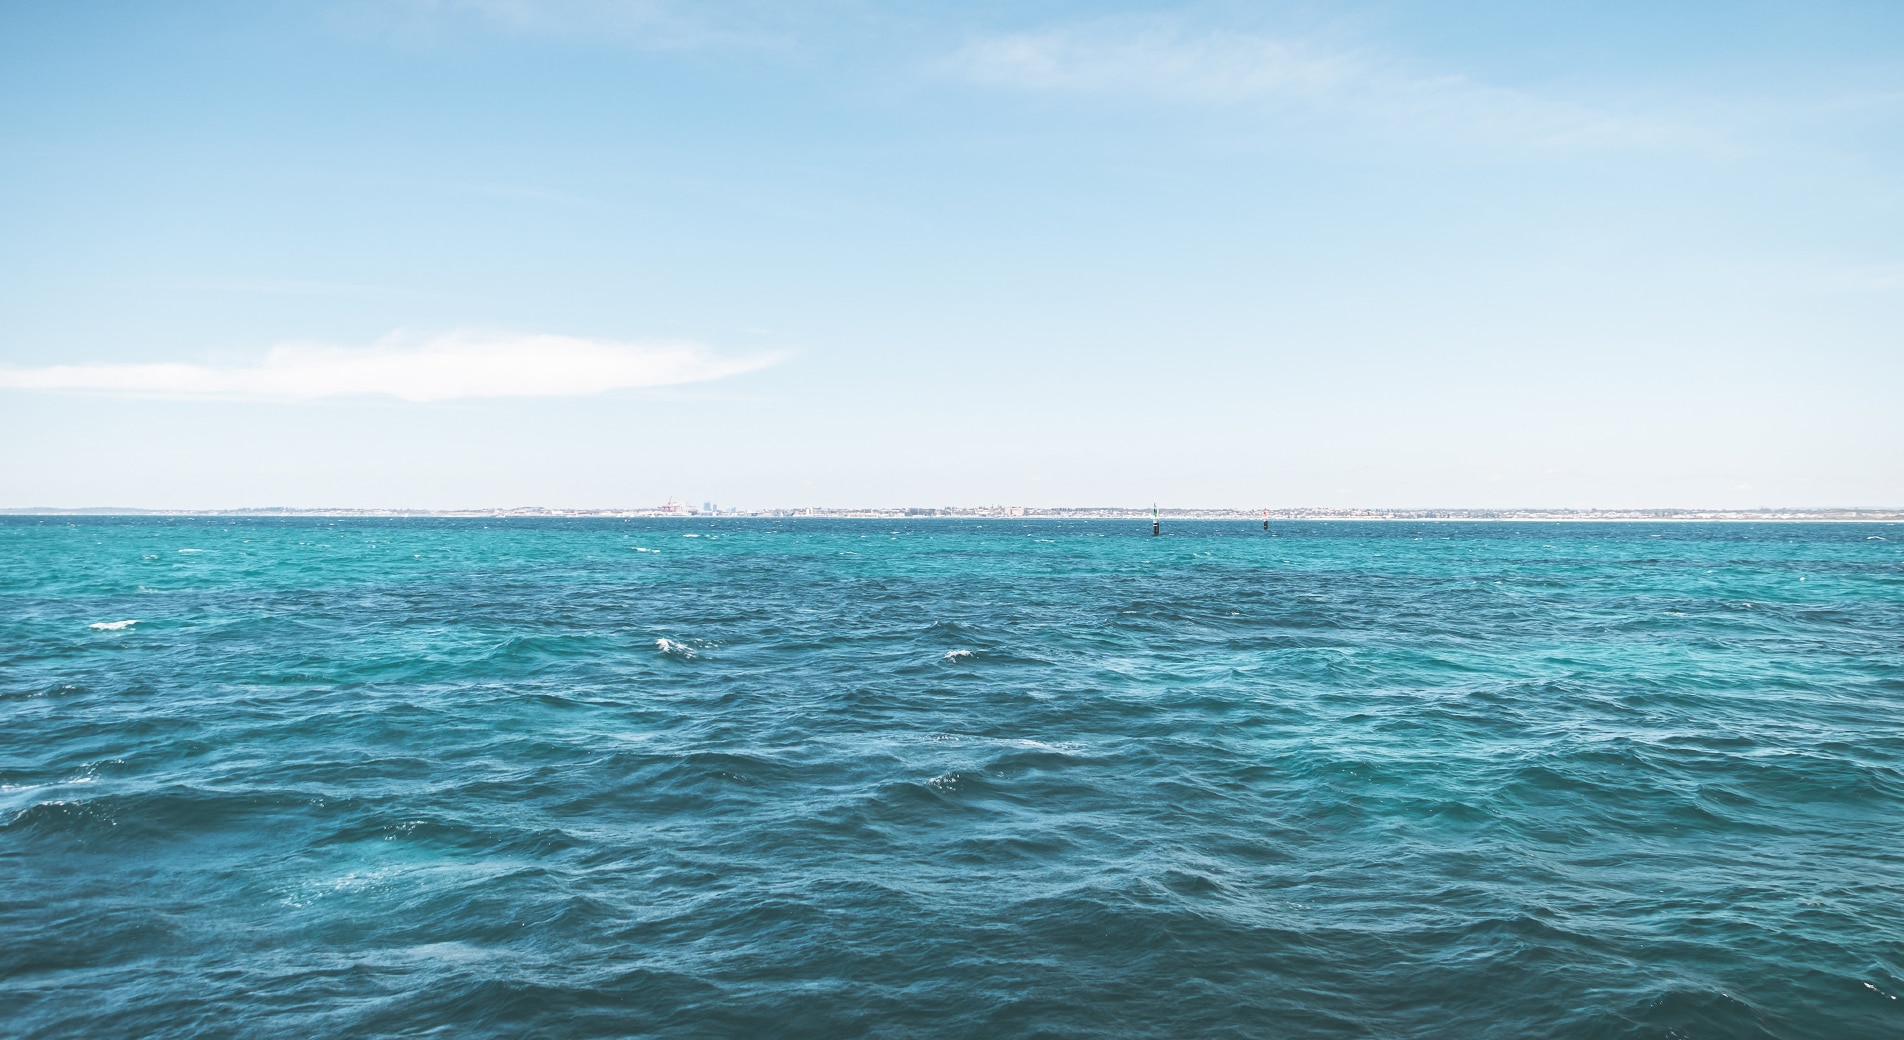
[[1162, 61], [660, 25], [457, 365], [1158, 61]]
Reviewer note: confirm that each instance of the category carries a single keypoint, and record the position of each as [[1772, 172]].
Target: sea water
[[949, 778]]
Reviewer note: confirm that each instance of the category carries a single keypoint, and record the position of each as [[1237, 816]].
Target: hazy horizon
[[694, 509]]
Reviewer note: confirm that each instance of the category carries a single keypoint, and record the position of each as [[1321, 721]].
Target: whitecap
[[113, 626], [1063, 747], [674, 649], [958, 655], [455, 952]]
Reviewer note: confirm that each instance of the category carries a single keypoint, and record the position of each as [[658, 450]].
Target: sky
[[609, 253]]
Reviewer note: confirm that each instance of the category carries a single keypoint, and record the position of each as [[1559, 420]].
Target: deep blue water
[[950, 779]]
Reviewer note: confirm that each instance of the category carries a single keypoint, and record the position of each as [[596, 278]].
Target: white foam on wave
[[1063, 747], [453, 952], [958, 655], [674, 649], [113, 626]]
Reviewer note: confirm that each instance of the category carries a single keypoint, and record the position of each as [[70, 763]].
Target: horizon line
[[673, 510]]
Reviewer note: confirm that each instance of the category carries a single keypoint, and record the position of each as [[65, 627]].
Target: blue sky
[[601, 253]]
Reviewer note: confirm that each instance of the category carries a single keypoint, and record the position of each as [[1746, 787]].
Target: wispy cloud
[[1168, 62], [462, 364], [1158, 60], [643, 24]]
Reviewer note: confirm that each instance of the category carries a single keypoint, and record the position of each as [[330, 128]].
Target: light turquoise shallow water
[[948, 778]]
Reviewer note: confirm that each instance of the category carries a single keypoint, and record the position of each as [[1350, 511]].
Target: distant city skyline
[[601, 254]]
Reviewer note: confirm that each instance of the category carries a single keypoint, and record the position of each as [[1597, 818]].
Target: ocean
[[949, 778]]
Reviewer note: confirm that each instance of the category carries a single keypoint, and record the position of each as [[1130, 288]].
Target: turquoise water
[[750, 778]]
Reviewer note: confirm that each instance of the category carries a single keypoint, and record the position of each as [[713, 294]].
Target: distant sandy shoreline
[[1030, 513]]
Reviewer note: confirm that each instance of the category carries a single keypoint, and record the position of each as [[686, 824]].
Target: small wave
[[952, 782], [958, 655], [113, 626], [193, 550], [1062, 747], [674, 649]]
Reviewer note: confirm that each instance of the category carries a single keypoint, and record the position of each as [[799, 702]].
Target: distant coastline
[[673, 510]]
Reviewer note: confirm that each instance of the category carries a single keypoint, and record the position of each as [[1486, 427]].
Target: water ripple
[[939, 778]]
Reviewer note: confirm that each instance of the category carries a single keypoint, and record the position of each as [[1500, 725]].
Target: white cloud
[[641, 24], [1163, 61], [462, 364], [1156, 60]]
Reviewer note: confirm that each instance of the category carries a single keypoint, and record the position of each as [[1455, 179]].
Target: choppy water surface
[[952, 779]]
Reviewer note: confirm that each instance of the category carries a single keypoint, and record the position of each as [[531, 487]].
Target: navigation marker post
[[1153, 520]]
